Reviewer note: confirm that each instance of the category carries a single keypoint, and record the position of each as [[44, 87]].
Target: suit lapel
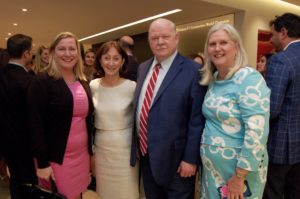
[[175, 68]]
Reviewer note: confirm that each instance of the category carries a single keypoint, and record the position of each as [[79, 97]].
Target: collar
[[165, 64], [295, 41], [18, 64]]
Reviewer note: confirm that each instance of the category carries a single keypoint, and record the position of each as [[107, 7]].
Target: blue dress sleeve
[[254, 102]]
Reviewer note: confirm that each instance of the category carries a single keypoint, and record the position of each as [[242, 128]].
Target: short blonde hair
[[240, 59], [52, 68]]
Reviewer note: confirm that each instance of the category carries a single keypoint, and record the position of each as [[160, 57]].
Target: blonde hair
[[240, 59], [38, 66], [52, 68]]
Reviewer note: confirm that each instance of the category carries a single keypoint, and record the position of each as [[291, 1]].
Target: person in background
[[4, 57], [30, 66], [14, 133], [90, 72], [127, 43], [283, 78], [89, 64], [197, 57], [41, 59], [168, 119], [60, 118], [113, 102], [236, 108], [262, 64]]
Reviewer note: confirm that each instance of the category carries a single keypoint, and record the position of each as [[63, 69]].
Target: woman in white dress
[[113, 102]]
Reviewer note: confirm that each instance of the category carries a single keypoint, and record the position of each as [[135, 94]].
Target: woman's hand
[[236, 185], [45, 173]]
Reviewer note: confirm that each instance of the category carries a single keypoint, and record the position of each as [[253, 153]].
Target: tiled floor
[[4, 193]]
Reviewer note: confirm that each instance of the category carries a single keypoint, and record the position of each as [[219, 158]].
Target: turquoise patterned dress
[[236, 131]]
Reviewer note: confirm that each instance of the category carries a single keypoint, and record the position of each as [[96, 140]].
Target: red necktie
[[143, 131]]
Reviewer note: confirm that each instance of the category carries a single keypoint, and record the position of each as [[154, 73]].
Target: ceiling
[[45, 19]]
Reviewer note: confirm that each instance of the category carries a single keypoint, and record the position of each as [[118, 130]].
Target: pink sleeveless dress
[[72, 177]]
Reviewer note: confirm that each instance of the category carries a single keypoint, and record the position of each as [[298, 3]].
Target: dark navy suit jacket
[[175, 121], [283, 78]]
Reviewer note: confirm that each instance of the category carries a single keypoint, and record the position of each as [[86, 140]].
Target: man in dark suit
[[168, 118], [127, 44], [14, 135], [283, 78]]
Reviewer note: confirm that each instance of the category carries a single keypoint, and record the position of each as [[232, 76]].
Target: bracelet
[[240, 174]]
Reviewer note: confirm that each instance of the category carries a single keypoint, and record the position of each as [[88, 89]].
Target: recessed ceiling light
[[9, 33], [15, 24], [131, 24], [24, 9], [6, 38]]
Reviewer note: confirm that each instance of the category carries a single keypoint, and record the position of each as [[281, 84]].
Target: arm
[[37, 99], [191, 157], [253, 100], [277, 78]]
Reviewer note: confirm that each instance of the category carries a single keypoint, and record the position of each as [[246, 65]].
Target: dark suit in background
[[132, 68], [14, 130], [127, 44], [283, 78], [14, 140]]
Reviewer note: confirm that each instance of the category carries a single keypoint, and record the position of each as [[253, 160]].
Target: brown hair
[[104, 49]]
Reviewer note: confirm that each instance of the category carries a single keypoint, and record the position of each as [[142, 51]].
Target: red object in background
[[3, 172], [264, 45]]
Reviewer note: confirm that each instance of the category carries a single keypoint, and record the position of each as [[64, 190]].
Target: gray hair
[[240, 59]]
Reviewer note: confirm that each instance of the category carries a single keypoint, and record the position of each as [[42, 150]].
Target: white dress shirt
[[165, 66]]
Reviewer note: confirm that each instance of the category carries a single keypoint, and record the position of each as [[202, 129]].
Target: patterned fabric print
[[217, 170], [236, 129]]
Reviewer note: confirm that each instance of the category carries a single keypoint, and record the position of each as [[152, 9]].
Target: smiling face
[[163, 39], [221, 50], [66, 54], [111, 62], [45, 56], [89, 59]]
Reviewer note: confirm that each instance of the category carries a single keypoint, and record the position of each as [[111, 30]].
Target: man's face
[[163, 40], [276, 39]]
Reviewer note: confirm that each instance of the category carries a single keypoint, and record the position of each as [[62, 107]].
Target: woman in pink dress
[[60, 112]]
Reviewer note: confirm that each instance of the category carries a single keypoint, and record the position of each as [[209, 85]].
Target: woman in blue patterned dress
[[236, 107]]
